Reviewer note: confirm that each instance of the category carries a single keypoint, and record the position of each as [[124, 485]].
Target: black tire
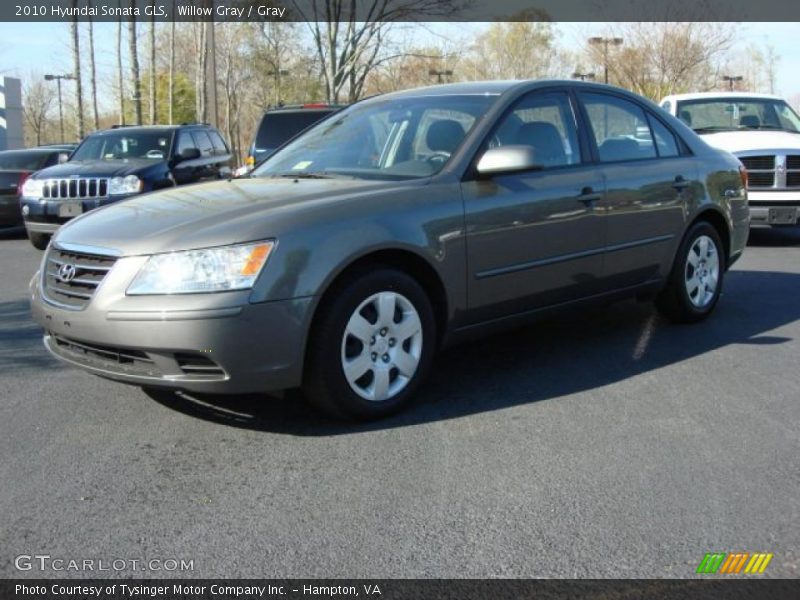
[[674, 301], [39, 240], [324, 381]]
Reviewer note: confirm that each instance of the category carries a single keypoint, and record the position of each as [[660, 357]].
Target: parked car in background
[[760, 130], [397, 225], [15, 168], [118, 163], [279, 125]]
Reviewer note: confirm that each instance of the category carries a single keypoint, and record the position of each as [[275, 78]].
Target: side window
[[440, 131], [544, 121], [620, 128], [666, 143], [220, 148], [185, 142], [203, 142]]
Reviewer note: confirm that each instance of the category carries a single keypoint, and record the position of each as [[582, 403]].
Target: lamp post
[[438, 74], [58, 79], [583, 76], [731, 79], [605, 42], [277, 74]]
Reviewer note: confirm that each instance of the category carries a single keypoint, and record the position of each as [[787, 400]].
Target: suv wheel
[[39, 240], [695, 283], [372, 346]]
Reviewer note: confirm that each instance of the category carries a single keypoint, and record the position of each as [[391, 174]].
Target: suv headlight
[[124, 185], [197, 271], [32, 188]]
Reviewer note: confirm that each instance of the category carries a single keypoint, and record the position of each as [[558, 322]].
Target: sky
[[44, 47]]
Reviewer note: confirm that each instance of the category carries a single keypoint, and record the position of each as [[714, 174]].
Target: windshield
[[381, 139], [22, 161], [727, 114], [154, 145]]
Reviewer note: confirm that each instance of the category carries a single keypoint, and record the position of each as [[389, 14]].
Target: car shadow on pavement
[[774, 237], [543, 361], [13, 233], [21, 339]]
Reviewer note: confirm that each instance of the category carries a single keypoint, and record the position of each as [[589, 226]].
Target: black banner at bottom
[[391, 589]]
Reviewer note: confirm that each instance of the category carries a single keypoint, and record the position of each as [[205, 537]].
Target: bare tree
[[76, 66], [135, 76], [201, 53], [93, 74], [39, 99], [350, 37], [153, 110], [172, 68], [120, 74]]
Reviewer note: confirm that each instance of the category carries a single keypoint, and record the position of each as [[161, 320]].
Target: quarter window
[[620, 128], [666, 143]]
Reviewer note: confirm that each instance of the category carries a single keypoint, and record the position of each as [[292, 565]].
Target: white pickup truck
[[763, 132]]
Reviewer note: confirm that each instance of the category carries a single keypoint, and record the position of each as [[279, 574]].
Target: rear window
[[279, 127], [21, 161]]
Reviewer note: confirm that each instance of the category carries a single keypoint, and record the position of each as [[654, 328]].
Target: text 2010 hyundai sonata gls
[[399, 223]]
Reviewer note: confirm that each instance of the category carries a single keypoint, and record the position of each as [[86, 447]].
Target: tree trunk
[[200, 73], [120, 75], [137, 82], [93, 73], [76, 65], [153, 109], [172, 69]]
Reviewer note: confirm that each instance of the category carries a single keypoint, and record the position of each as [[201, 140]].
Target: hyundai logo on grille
[[66, 272]]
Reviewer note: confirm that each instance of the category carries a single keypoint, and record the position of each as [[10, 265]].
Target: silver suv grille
[[75, 188], [772, 171], [70, 278]]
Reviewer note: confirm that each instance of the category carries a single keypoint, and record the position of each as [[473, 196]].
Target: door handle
[[588, 196], [680, 183]]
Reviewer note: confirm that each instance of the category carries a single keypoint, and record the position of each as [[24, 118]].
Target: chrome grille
[[77, 188], [89, 271]]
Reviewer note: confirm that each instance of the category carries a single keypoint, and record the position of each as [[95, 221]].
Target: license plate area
[[70, 209]]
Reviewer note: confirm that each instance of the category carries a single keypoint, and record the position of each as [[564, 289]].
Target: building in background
[[11, 132]]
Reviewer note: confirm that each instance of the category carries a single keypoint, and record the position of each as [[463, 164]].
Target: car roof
[[720, 95], [32, 151]]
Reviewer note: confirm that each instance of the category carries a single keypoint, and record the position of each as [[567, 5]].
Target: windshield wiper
[[772, 128], [308, 175], [713, 128]]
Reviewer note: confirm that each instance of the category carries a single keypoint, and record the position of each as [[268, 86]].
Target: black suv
[[118, 163], [279, 125]]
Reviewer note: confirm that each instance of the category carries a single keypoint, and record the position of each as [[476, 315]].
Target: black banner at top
[[400, 10]]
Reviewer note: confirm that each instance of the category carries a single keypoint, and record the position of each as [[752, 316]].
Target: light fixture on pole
[[732, 79], [438, 74], [583, 76], [58, 79], [605, 42]]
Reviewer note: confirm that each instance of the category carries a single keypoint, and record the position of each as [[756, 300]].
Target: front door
[[535, 238]]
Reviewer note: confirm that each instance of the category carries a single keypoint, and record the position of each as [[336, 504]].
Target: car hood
[[741, 141], [97, 168], [211, 214]]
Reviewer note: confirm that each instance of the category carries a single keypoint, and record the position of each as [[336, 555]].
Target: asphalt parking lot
[[606, 444]]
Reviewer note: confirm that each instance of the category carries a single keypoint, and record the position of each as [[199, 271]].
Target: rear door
[[535, 238], [222, 154], [650, 178], [208, 163]]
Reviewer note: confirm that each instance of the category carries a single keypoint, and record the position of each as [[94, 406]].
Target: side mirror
[[189, 154], [507, 159]]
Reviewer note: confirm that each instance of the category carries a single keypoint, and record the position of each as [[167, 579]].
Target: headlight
[[32, 188], [124, 185], [208, 270]]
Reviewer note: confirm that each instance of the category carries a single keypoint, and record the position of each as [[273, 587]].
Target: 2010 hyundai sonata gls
[[400, 223]]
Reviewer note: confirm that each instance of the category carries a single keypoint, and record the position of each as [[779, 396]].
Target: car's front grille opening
[[70, 278], [793, 161], [766, 162], [198, 364], [760, 170], [75, 188], [756, 179], [107, 357]]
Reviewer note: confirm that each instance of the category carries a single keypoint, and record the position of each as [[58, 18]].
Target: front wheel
[[371, 346], [39, 240], [695, 284]]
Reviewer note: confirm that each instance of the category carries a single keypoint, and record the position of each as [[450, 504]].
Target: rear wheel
[[695, 283], [39, 240], [371, 346]]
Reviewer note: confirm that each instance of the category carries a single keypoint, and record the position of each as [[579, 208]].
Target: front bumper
[[172, 342], [42, 214], [774, 207]]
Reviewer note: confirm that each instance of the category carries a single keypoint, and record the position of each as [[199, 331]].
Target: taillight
[[743, 175], [23, 177]]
